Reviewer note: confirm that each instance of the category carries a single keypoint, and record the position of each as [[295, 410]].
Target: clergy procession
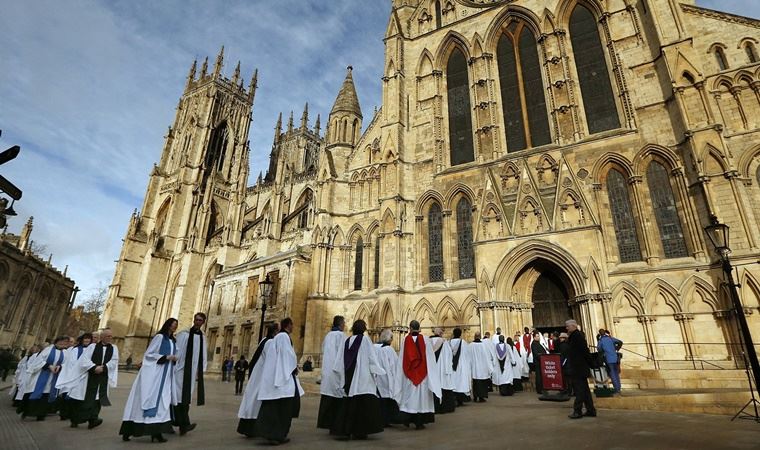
[[365, 387]]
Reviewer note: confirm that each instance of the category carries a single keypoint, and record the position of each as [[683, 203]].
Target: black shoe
[[184, 431], [575, 415], [590, 413], [94, 423], [157, 438], [74, 425], [125, 438]]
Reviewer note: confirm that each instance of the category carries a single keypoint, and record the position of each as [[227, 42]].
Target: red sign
[[551, 372]]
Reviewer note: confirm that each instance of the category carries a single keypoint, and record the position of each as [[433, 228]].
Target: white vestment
[[367, 367], [388, 360], [502, 376], [20, 378], [152, 387], [518, 363], [84, 364], [34, 369], [332, 344], [69, 375], [461, 377], [481, 360], [250, 404], [444, 363], [179, 366], [278, 380], [418, 399]]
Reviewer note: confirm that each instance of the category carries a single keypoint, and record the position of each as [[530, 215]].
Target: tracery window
[[377, 262], [593, 76], [622, 217], [460, 111], [664, 206], [435, 243], [464, 239], [522, 89], [359, 256], [217, 148]]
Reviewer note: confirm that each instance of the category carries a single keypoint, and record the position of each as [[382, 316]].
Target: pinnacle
[[347, 100]]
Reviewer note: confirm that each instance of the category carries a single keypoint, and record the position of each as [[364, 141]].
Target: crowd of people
[[364, 387]]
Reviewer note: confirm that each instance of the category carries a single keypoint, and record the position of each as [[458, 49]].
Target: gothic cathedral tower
[[193, 209]]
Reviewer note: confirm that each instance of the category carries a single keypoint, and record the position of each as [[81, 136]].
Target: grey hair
[[571, 322], [386, 335], [438, 331]]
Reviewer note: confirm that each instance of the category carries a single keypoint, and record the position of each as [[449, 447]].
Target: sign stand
[[552, 379]]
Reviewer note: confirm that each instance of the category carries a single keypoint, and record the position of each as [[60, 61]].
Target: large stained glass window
[[664, 205], [622, 217], [435, 243], [464, 239], [460, 110]]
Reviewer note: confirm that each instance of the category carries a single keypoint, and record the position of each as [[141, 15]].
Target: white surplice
[[83, 366], [152, 387], [367, 367], [444, 363], [20, 378], [251, 404], [69, 375], [34, 369], [280, 361], [481, 360], [179, 366], [504, 376], [388, 360], [418, 399], [518, 363], [461, 377], [332, 344]]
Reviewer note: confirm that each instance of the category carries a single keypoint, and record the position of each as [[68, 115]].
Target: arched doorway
[[548, 289]]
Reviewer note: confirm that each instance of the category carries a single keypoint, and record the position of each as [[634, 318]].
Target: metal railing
[[684, 356]]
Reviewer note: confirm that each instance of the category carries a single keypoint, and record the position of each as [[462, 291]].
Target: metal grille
[[460, 111], [593, 76], [664, 206], [622, 217], [358, 265], [464, 239], [435, 243]]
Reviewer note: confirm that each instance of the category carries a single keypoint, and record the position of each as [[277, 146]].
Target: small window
[[749, 49], [689, 78], [377, 263], [435, 243], [464, 239], [720, 57], [437, 13], [358, 260]]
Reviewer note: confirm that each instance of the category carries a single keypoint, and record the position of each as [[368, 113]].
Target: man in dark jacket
[[240, 368], [579, 360]]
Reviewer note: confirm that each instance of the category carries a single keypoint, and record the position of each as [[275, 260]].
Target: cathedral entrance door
[[550, 307]]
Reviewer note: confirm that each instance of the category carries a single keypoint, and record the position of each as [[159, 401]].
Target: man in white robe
[[388, 360], [43, 369], [71, 376], [481, 364], [444, 364], [502, 376], [329, 387], [417, 382], [275, 391], [188, 373], [99, 369], [460, 364], [495, 337], [148, 408], [22, 377], [356, 366]]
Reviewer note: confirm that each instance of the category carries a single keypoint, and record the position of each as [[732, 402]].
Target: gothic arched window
[[435, 243], [460, 111], [720, 57], [464, 239], [664, 205], [358, 260], [593, 76], [522, 84], [438, 13], [749, 49], [622, 217], [217, 148], [377, 262]]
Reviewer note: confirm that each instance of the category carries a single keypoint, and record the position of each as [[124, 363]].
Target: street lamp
[[718, 233], [265, 287]]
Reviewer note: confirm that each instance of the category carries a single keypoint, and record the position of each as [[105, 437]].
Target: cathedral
[[532, 161]]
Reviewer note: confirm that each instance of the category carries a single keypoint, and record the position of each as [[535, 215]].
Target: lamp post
[[719, 237], [265, 287]]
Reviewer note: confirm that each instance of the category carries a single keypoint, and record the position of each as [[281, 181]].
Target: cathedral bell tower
[[192, 210], [345, 122]]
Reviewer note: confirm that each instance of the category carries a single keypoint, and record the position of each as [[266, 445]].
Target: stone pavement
[[519, 422]]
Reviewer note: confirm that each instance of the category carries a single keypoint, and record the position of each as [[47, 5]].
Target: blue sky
[[88, 89]]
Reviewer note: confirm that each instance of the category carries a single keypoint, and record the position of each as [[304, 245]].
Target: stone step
[[718, 401]]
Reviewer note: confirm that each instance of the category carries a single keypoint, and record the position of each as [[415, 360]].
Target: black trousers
[[582, 395], [239, 379], [181, 415]]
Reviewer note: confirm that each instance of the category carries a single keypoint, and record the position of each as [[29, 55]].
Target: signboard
[[551, 372]]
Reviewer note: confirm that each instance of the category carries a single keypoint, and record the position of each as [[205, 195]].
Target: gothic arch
[[722, 82], [423, 203], [453, 195], [425, 66], [336, 236], [628, 291], [608, 160], [743, 76], [386, 315], [389, 221], [695, 284], [448, 43], [447, 308], [486, 284], [668, 292], [502, 20], [423, 306], [712, 155], [509, 268], [746, 160], [752, 287], [354, 233], [565, 9], [651, 152], [373, 228], [362, 313]]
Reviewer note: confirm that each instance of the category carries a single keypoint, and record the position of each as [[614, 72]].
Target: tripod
[[754, 402]]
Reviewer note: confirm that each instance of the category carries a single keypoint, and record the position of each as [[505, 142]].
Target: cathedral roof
[[347, 100]]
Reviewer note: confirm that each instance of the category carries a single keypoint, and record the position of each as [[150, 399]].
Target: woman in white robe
[[388, 360], [517, 365], [356, 366], [43, 370], [502, 375], [460, 364], [70, 377], [148, 408]]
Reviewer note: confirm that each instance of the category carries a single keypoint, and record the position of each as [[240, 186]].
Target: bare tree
[[95, 302], [38, 248]]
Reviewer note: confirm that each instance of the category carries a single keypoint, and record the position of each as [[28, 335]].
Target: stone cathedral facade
[[532, 161]]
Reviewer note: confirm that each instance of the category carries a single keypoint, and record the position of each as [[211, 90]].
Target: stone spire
[[204, 67], [347, 100], [305, 117], [254, 84], [219, 63], [318, 125], [24, 241], [236, 74], [278, 130], [191, 75], [290, 123]]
